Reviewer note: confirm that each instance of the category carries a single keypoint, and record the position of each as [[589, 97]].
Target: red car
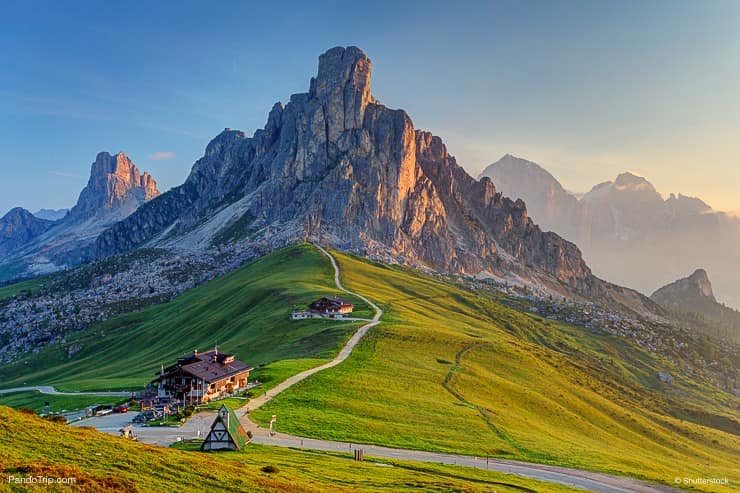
[[120, 409]]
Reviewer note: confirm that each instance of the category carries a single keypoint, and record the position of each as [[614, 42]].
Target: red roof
[[210, 366]]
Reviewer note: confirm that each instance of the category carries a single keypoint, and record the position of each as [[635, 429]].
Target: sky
[[587, 89]]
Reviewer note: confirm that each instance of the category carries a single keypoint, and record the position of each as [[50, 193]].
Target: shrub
[[250, 434], [26, 410], [57, 418], [271, 469]]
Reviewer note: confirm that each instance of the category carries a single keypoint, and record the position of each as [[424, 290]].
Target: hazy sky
[[588, 89]]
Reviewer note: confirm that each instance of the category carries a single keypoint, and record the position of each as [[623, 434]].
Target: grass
[[272, 374], [57, 403], [246, 312], [23, 287], [34, 447], [451, 370]]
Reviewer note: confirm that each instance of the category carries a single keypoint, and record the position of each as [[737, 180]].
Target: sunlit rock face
[[116, 187]]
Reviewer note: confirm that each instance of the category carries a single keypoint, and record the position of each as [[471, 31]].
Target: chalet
[[200, 377], [226, 432], [333, 307]]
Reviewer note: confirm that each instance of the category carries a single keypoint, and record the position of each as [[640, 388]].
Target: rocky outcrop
[[18, 227], [116, 188], [336, 166]]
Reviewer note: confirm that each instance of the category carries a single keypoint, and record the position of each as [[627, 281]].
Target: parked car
[[149, 415], [120, 409]]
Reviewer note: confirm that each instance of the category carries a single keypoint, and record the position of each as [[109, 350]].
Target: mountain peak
[[687, 290], [19, 226], [342, 85], [700, 279], [115, 185], [631, 181]]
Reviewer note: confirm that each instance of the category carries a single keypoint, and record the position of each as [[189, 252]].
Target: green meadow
[[245, 312], [22, 287], [451, 370], [101, 462]]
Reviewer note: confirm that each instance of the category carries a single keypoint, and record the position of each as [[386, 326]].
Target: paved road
[[154, 435], [47, 389]]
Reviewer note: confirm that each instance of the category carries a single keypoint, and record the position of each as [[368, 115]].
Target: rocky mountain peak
[[115, 186], [343, 87], [688, 290], [335, 166], [700, 281]]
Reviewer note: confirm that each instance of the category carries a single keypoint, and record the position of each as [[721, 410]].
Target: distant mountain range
[[628, 232], [50, 240]]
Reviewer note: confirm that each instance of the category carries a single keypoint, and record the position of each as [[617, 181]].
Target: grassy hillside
[[100, 462], [246, 312], [17, 288], [450, 370], [57, 403]]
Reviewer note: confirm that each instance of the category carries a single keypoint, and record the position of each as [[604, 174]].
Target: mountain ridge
[[336, 166]]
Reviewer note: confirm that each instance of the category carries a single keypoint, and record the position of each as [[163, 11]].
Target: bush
[[188, 411], [57, 418], [26, 410], [250, 434], [271, 469]]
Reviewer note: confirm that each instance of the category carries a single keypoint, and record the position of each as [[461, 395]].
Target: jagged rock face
[[18, 227], [336, 165], [115, 187]]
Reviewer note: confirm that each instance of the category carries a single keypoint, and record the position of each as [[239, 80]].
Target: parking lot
[[156, 435], [109, 424]]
